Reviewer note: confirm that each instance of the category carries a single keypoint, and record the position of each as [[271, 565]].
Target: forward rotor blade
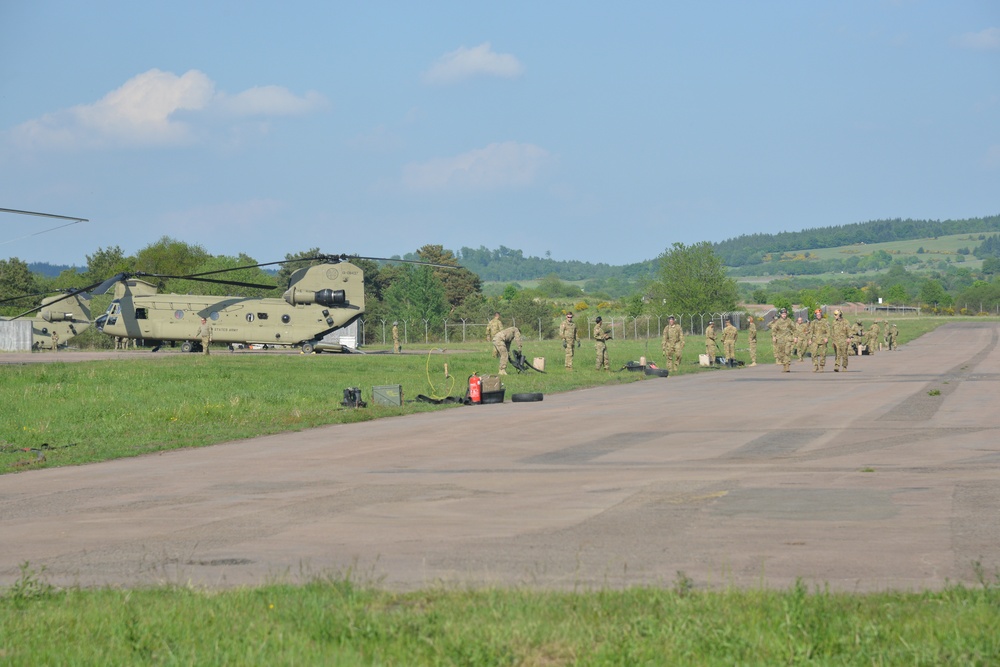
[[72, 221], [25, 296], [43, 215]]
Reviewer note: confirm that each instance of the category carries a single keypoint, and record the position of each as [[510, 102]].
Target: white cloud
[[498, 166], [466, 63], [156, 108], [984, 40], [270, 101]]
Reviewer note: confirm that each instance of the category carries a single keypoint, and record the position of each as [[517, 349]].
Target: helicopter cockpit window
[[141, 314], [178, 314]]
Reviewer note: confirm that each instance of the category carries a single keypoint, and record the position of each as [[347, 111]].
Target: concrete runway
[[865, 480]]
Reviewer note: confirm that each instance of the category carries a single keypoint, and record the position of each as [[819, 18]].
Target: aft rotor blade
[[224, 282], [195, 276], [106, 285], [407, 261], [68, 295]]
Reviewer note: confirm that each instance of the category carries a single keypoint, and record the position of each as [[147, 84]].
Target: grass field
[[336, 622], [937, 248], [934, 251], [130, 407]]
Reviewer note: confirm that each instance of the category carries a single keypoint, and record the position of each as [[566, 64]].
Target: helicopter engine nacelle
[[324, 297], [54, 316]]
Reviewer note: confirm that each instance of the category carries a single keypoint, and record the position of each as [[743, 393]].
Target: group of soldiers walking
[[790, 339], [794, 339]]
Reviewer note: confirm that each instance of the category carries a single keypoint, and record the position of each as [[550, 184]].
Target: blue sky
[[589, 130]]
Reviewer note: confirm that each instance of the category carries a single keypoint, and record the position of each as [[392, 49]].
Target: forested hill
[[508, 265], [750, 248], [51, 270]]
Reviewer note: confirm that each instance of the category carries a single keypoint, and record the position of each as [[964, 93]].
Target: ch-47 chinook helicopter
[[319, 299], [66, 316]]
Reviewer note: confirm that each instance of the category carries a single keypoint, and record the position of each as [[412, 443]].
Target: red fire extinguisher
[[475, 389]]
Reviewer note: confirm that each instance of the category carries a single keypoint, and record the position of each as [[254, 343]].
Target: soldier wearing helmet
[[819, 335], [673, 343], [784, 335], [841, 335], [601, 338]]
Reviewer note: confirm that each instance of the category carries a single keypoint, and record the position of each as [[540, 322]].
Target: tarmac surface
[[883, 477]]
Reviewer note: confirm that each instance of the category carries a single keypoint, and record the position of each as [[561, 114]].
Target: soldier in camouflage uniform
[[802, 339], [872, 341], [711, 347], [502, 342], [783, 330], [570, 338], [841, 335], [752, 340], [205, 334], [892, 333], [673, 343], [858, 337], [601, 345], [819, 335], [493, 327], [729, 336]]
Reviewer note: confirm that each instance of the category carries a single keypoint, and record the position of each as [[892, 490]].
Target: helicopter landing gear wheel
[[307, 348], [188, 346]]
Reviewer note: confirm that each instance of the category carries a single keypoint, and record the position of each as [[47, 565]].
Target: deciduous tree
[[459, 282], [692, 279]]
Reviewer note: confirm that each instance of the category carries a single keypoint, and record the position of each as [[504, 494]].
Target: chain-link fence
[[644, 327]]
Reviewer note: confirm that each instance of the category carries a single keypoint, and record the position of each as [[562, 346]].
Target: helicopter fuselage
[[319, 300]]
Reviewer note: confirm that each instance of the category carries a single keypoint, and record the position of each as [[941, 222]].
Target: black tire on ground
[[526, 398], [307, 348], [187, 346]]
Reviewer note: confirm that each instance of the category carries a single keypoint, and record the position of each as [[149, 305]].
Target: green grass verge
[[151, 402], [335, 622]]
